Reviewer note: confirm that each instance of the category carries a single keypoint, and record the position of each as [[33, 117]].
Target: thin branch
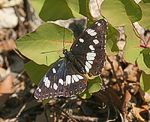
[[138, 35], [45, 113], [66, 114], [21, 110], [112, 66], [86, 118]]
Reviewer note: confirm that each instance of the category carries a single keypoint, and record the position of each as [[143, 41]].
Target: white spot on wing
[[99, 24], [55, 86], [75, 78], [95, 41], [61, 81], [72, 80], [88, 57], [54, 70], [79, 76], [88, 65], [91, 54], [91, 32], [91, 47], [81, 40], [68, 79], [87, 69], [39, 90], [46, 82]]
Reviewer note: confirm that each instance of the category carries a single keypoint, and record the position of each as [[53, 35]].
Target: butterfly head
[[65, 51]]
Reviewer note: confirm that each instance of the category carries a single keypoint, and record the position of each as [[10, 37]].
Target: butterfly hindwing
[[61, 80], [89, 48]]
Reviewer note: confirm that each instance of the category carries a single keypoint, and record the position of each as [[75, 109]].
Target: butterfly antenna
[[64, 39], [50, 51]]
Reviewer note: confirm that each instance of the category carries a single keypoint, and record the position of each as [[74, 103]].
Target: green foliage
[[94, 85], [37, 4], [49, 37], [35, 71], [132, 9], [144, 60], [127, 12], [112, 38], [145, 82], [132, 45], [114, 11], [145, 21], [121, 12], [64, 9]]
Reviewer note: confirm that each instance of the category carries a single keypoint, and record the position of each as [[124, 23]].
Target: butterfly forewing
[[61, 80], [89, 48]]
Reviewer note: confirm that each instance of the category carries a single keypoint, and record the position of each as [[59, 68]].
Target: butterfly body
[[67, 77], [68, 55]]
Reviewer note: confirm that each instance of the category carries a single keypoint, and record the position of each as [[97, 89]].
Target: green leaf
[[145, 82], [146, 1], [144, 60], [133, 10], [118, 12], [60, 10], [132, 48], [37, 4], [123, 11], [84, 9], [145, 22], [114, 11], [94, 85], [85, 95], [35, 71], [112, 39], [47, 38]]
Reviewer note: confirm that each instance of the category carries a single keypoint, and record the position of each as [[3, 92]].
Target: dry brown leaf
[[6, 86], [132, 73], [136, 112], [7, 45]]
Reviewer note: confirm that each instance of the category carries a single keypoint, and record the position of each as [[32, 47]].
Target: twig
[[112, 66], [20, 111], [116, 117], [137, 34], [84, 118], [27, 9], [114, 73], [45, 113], [66, 114]]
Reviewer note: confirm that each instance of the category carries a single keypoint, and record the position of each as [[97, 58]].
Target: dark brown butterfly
[[67, 76]]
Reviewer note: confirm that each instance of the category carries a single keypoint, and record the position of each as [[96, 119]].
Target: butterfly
[[67, 76]]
